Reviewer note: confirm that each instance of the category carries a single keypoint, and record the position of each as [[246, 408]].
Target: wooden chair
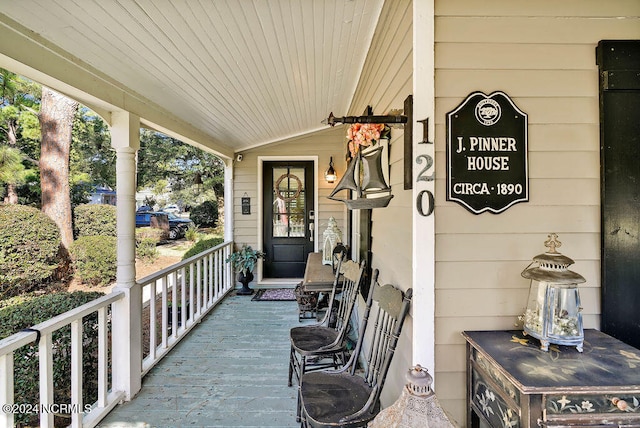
[[345, 398], [322, 345]]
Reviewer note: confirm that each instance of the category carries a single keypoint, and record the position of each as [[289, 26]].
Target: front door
[[288, 197]]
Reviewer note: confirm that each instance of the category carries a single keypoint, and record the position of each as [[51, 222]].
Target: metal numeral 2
[[422, 174]]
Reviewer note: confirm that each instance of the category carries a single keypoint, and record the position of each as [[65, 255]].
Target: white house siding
[[322, 144], [542, 54], [385, 83]]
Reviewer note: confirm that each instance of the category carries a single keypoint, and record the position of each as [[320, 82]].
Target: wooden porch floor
[[230, 371]]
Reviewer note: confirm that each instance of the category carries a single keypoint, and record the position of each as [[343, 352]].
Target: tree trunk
[[56, 122], [12, 139]]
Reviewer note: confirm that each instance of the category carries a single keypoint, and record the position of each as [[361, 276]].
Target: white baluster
[[6, 388], [183, 298], [165, 312], [199, 287], [212, 274], [152, 320], [192, 306], [174, 304], [46, 379], [76, 373], [102, 357]]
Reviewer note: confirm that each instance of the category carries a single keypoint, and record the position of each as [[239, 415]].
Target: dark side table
[[318, 278], [512, 383]]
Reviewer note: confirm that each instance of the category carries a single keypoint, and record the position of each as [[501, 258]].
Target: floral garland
[[365, 135]]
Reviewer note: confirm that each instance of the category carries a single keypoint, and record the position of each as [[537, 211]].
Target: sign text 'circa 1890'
[[487, 153]]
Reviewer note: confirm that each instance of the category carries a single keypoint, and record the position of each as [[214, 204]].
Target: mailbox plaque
[[487, 153]]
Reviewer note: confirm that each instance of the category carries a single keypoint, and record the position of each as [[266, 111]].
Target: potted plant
[[243, 262]]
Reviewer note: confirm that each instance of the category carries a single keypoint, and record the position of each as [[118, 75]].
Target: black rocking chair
[[323, 345], [345, 398]]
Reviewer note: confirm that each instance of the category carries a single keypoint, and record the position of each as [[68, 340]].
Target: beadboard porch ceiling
[[242, 72]]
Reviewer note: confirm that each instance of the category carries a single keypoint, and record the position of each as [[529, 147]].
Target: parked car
[[171, 208], [177, 225]]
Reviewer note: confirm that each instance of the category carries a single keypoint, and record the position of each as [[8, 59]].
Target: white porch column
[[423, 191], [228, 199], [127, 312]]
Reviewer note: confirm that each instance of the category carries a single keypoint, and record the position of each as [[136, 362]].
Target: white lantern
[[417, 407], [553, 313], [330, 238]]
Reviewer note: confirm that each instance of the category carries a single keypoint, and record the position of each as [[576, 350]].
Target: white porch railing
[[174, 301], [81, 415]]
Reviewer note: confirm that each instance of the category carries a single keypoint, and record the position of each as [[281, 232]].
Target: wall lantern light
[[330, 175], [553, 313]]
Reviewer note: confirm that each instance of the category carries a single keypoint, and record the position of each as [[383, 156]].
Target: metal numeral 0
[[420, 203]]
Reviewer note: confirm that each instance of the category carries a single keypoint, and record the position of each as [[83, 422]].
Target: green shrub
[[17, 300], [201, 246], [94, 259], [146, 240], [25, 314], [205, 214], [29, 245], [94, 220], [153, 233], [146, 250], [191, 234]]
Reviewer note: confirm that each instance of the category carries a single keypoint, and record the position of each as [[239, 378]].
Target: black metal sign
[[487, 153], [246, 205]]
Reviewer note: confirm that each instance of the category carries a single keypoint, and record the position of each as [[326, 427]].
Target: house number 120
[[422, 176]]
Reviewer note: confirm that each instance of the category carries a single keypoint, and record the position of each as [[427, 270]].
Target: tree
[[92, 159], [56, 116], [91, 151], [12, 167], [11, 171], [18, 108], [164, 158]]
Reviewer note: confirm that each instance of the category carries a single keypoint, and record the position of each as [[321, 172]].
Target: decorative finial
[[552, 243]]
